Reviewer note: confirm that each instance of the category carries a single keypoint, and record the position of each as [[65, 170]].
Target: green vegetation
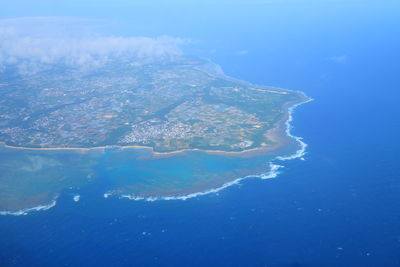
[[168, 105]]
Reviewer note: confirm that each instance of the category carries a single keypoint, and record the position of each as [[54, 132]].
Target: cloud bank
[[28, 42]]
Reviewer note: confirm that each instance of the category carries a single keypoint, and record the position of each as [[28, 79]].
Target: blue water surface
[[339, 207]]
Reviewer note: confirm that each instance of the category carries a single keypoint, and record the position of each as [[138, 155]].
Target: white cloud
[[29, 42], [339, 59]]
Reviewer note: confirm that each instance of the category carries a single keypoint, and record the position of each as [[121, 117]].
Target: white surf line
[[303, 146], [28, 210], [272, 173]]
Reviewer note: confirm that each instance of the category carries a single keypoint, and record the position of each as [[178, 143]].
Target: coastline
[[156, 153], [272, 173], [26, 211], [273, 133], [281, 134]]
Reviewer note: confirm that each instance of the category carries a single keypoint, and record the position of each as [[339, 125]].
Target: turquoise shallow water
[[339, 207], [33, 178], [177, 175]]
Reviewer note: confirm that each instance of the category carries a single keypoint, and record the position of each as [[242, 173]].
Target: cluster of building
[[150, 132], [168, 107]]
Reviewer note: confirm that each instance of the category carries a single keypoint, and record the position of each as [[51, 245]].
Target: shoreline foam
[[29, 210], [303, 146], [157, 153], [272, 173]]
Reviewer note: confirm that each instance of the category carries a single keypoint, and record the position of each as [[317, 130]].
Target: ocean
[[337, 207]]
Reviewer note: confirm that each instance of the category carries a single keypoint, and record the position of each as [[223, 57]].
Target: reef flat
[[165, 129]]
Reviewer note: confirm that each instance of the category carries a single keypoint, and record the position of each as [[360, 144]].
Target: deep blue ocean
[[338, 207]]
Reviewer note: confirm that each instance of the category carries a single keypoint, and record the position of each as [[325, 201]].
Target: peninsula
[[170, 128], [170, 105]]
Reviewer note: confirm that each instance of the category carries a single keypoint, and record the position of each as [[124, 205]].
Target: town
[[168, 105]]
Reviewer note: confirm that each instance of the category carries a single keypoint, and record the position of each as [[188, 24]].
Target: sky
[[205, 17], [285, 34]]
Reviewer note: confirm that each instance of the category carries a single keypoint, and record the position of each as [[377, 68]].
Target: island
[[61, 120]]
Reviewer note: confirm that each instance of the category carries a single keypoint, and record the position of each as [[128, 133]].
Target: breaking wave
[[303, 146], [274, 168], [274, 171], [28, 210]]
